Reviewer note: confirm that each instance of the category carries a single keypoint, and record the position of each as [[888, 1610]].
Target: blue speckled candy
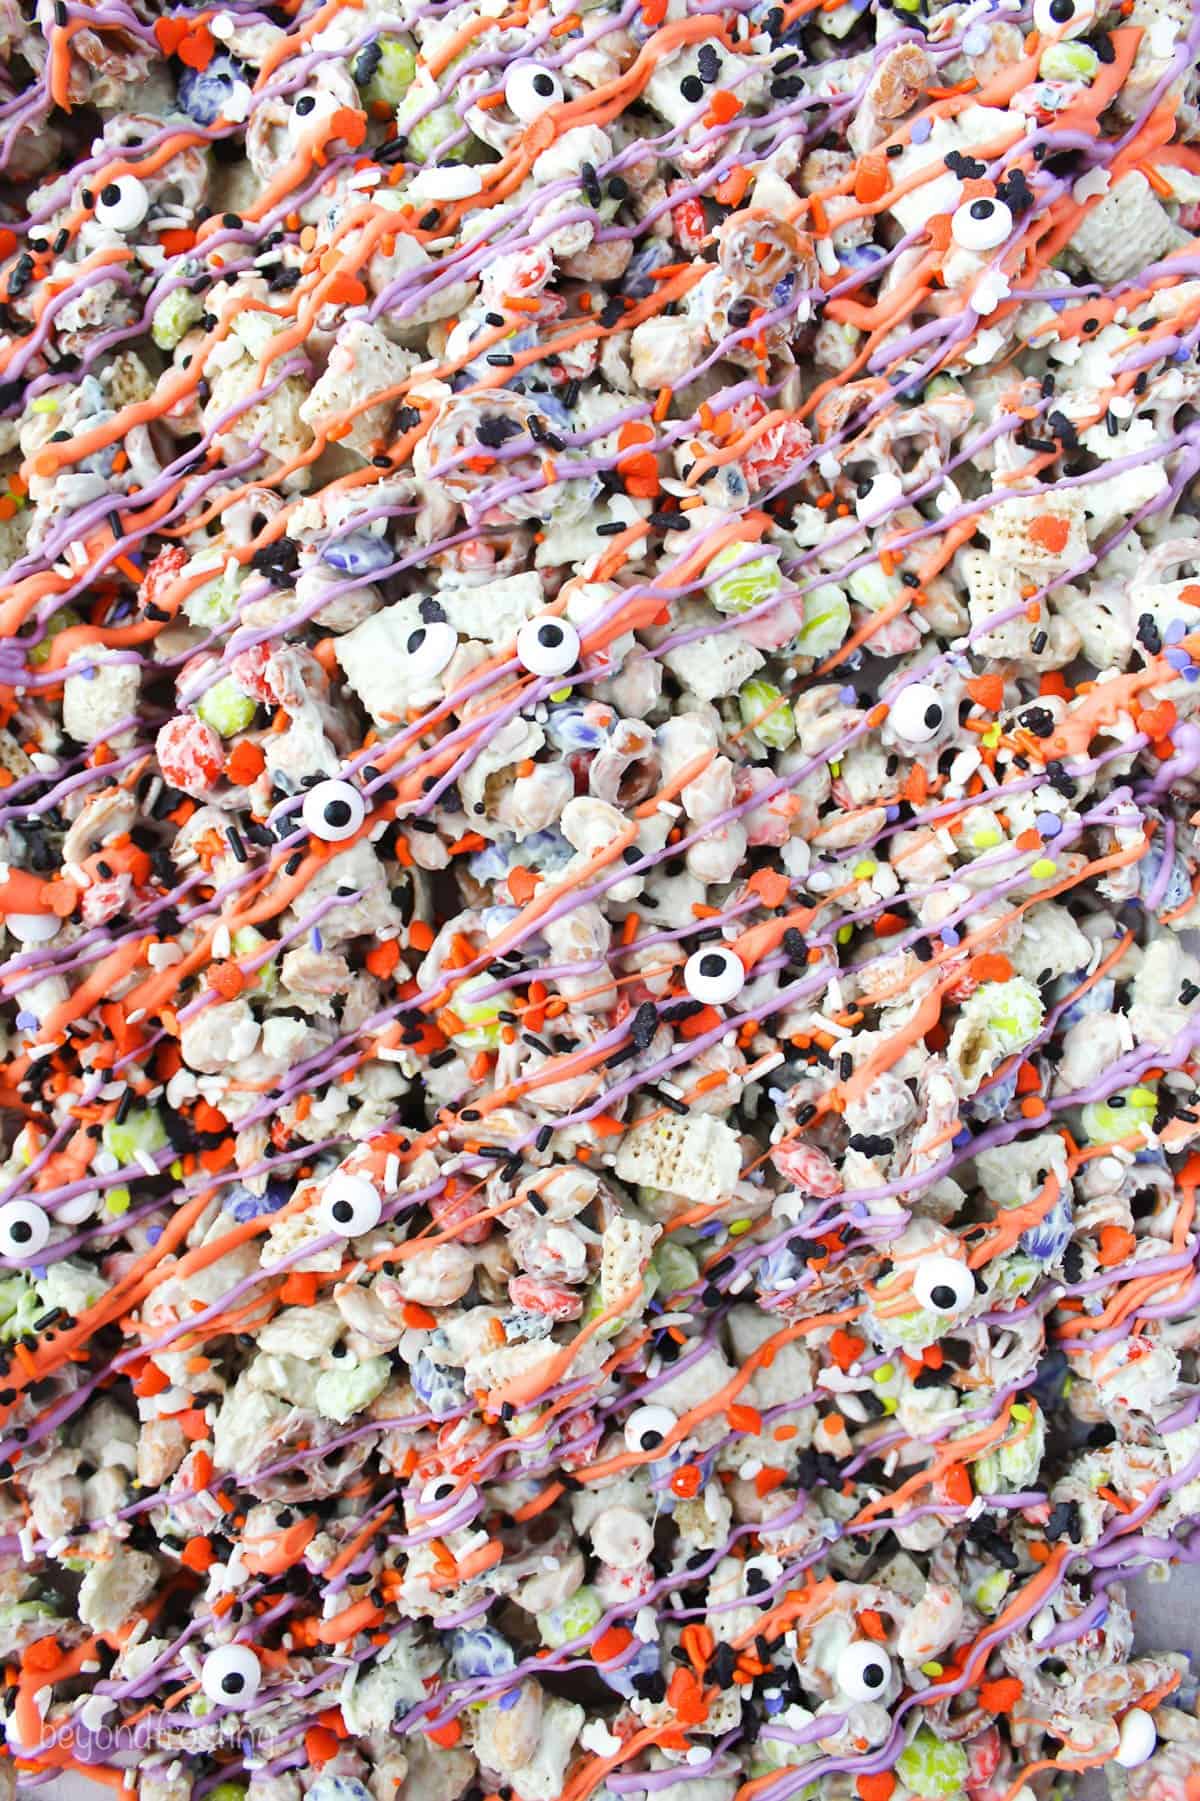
[[1178, 886], [569, 729], [203, 92], [994, 1102], [339, 1788], [242, 1205], [1051, 1236], [481, 1651], [437, 1387], [644, 1662], [358, 553], [1098, 999]]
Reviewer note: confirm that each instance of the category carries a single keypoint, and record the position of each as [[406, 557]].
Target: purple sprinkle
[[1048, 824], [949, 936], [153, 1234], [1174, 632], [920, 131], [27, 1021], [88, 672], [317, 941], [1178, 659], [848, 697], [509, 1698], [892, 814], [38, 1272]]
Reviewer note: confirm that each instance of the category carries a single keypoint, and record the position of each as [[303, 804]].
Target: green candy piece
[[1122, 1113], [61, 620], [226, 708], [342, 1393], [140, 1130], [767, 714], [754, 580], [826, 622], [427, 136], [174, 317], [393, 72], [1068, 62], [932, 1768], [571, 1619]]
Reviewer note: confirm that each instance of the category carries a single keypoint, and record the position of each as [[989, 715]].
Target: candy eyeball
[[548, 646], [943, 1284], [429, 648], [231, 1676], [530, 90], [1064, 18], [647, 1427], [917, 714], [350, 1205], [863, 1671], [122, 204], [33, 928], [981, 224], [714, 975], [878, 495], [441, 1493], [24, 1228], [333, 810]]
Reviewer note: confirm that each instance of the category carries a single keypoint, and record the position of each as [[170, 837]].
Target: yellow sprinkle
[[866, 867], [932, 1669], [738, 1227], [1021, 1412], [1043, 868], [884, 1373], [45, 403], [991, 737], [845, 934]]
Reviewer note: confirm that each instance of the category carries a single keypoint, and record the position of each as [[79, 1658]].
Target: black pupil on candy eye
[[933, 717], [21, 1231], [110, 194], [337, 813], [982, 209], [551, 636], [343, 1212], [415, 641], [233, 1684], [305, 104], [712, 965], [543, 85], [1062, 11], [873, 1675], [943, 1296], [651, 1440]]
